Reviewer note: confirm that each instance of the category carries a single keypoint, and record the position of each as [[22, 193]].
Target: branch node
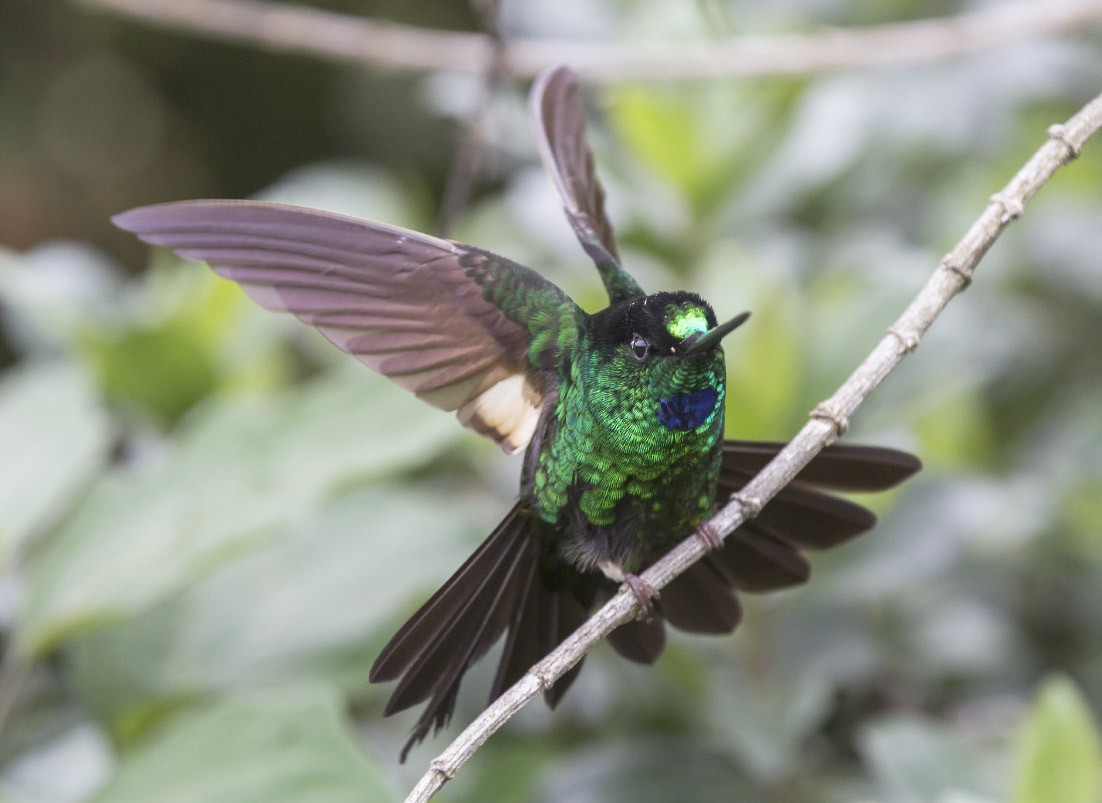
[[542, 679], [840, 423], [1012, 207], [952, 265], [442, 767], [1059, 133], [708, 536], [749, 505], [907, 340]]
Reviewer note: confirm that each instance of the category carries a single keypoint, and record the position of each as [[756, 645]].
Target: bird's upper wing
[[560, 133], [462, 328]]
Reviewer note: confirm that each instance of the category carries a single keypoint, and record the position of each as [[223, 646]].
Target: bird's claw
[[644, 594]]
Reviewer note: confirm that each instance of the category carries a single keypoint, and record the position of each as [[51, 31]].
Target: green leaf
[[54, 436], [238, 471], [187, 337], [313, 608], [764, 374], [766, 366], [660, 127], [1060, 749], [954, 429], [280, 745], [698, 138]]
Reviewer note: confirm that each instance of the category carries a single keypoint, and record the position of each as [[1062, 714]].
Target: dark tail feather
[[756, 560], [505, 584], [568, 614], [839, 467], [701, 600], [541, 619], [639, 641], [502, 586], [457, 625], [441, 668], [523, 646], [800, 514], [809, 519], [438, 613], [763, 554]]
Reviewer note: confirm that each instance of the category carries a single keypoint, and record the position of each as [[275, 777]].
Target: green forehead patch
[[683, 320]]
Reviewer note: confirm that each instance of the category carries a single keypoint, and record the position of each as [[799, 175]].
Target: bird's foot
[[708, 537], [644, 593]]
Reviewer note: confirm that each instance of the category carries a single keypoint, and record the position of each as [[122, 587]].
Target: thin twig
[[391, 46], [828, 421], [471, 156]]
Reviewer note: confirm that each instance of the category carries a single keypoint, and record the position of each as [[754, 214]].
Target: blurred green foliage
[[210, 520]]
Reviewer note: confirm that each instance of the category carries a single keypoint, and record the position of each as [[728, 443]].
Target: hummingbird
[[620, 414]]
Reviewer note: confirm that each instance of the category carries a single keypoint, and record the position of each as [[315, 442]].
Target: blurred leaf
[[310, 608], [49, 292], [953, 428], [1060, 749], [160, 370], [766, 716], [285, 744], [766, 363], [12, 796], [511, 772], [918, 761], [54, 436], [236, 471], [764, 366], [660, 127], [182, 342], [351, 188], [1082, 511], [66, 769], [696, 137], [654, 770]]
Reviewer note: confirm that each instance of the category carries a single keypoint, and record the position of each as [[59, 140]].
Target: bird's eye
[[640, 348]]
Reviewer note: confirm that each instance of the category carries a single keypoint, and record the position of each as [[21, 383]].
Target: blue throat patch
[[685, 411]]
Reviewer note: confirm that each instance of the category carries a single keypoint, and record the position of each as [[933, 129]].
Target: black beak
[[695, 344]]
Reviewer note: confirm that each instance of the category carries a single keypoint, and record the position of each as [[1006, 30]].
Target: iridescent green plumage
[[526, 298], [620, 413], [620, 485]]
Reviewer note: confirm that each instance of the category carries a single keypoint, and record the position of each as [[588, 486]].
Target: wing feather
[[450, 322], [560, 133]]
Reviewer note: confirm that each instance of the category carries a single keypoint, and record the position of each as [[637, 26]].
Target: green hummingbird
[[621, 414]]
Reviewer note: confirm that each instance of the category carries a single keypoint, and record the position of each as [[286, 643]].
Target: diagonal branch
[[391, 46], [828, 421]]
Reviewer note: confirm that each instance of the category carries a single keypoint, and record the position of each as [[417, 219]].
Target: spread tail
[[506, 585], [514, 585]]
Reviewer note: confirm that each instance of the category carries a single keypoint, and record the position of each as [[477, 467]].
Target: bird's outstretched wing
[[464, 329], [560, 133]]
